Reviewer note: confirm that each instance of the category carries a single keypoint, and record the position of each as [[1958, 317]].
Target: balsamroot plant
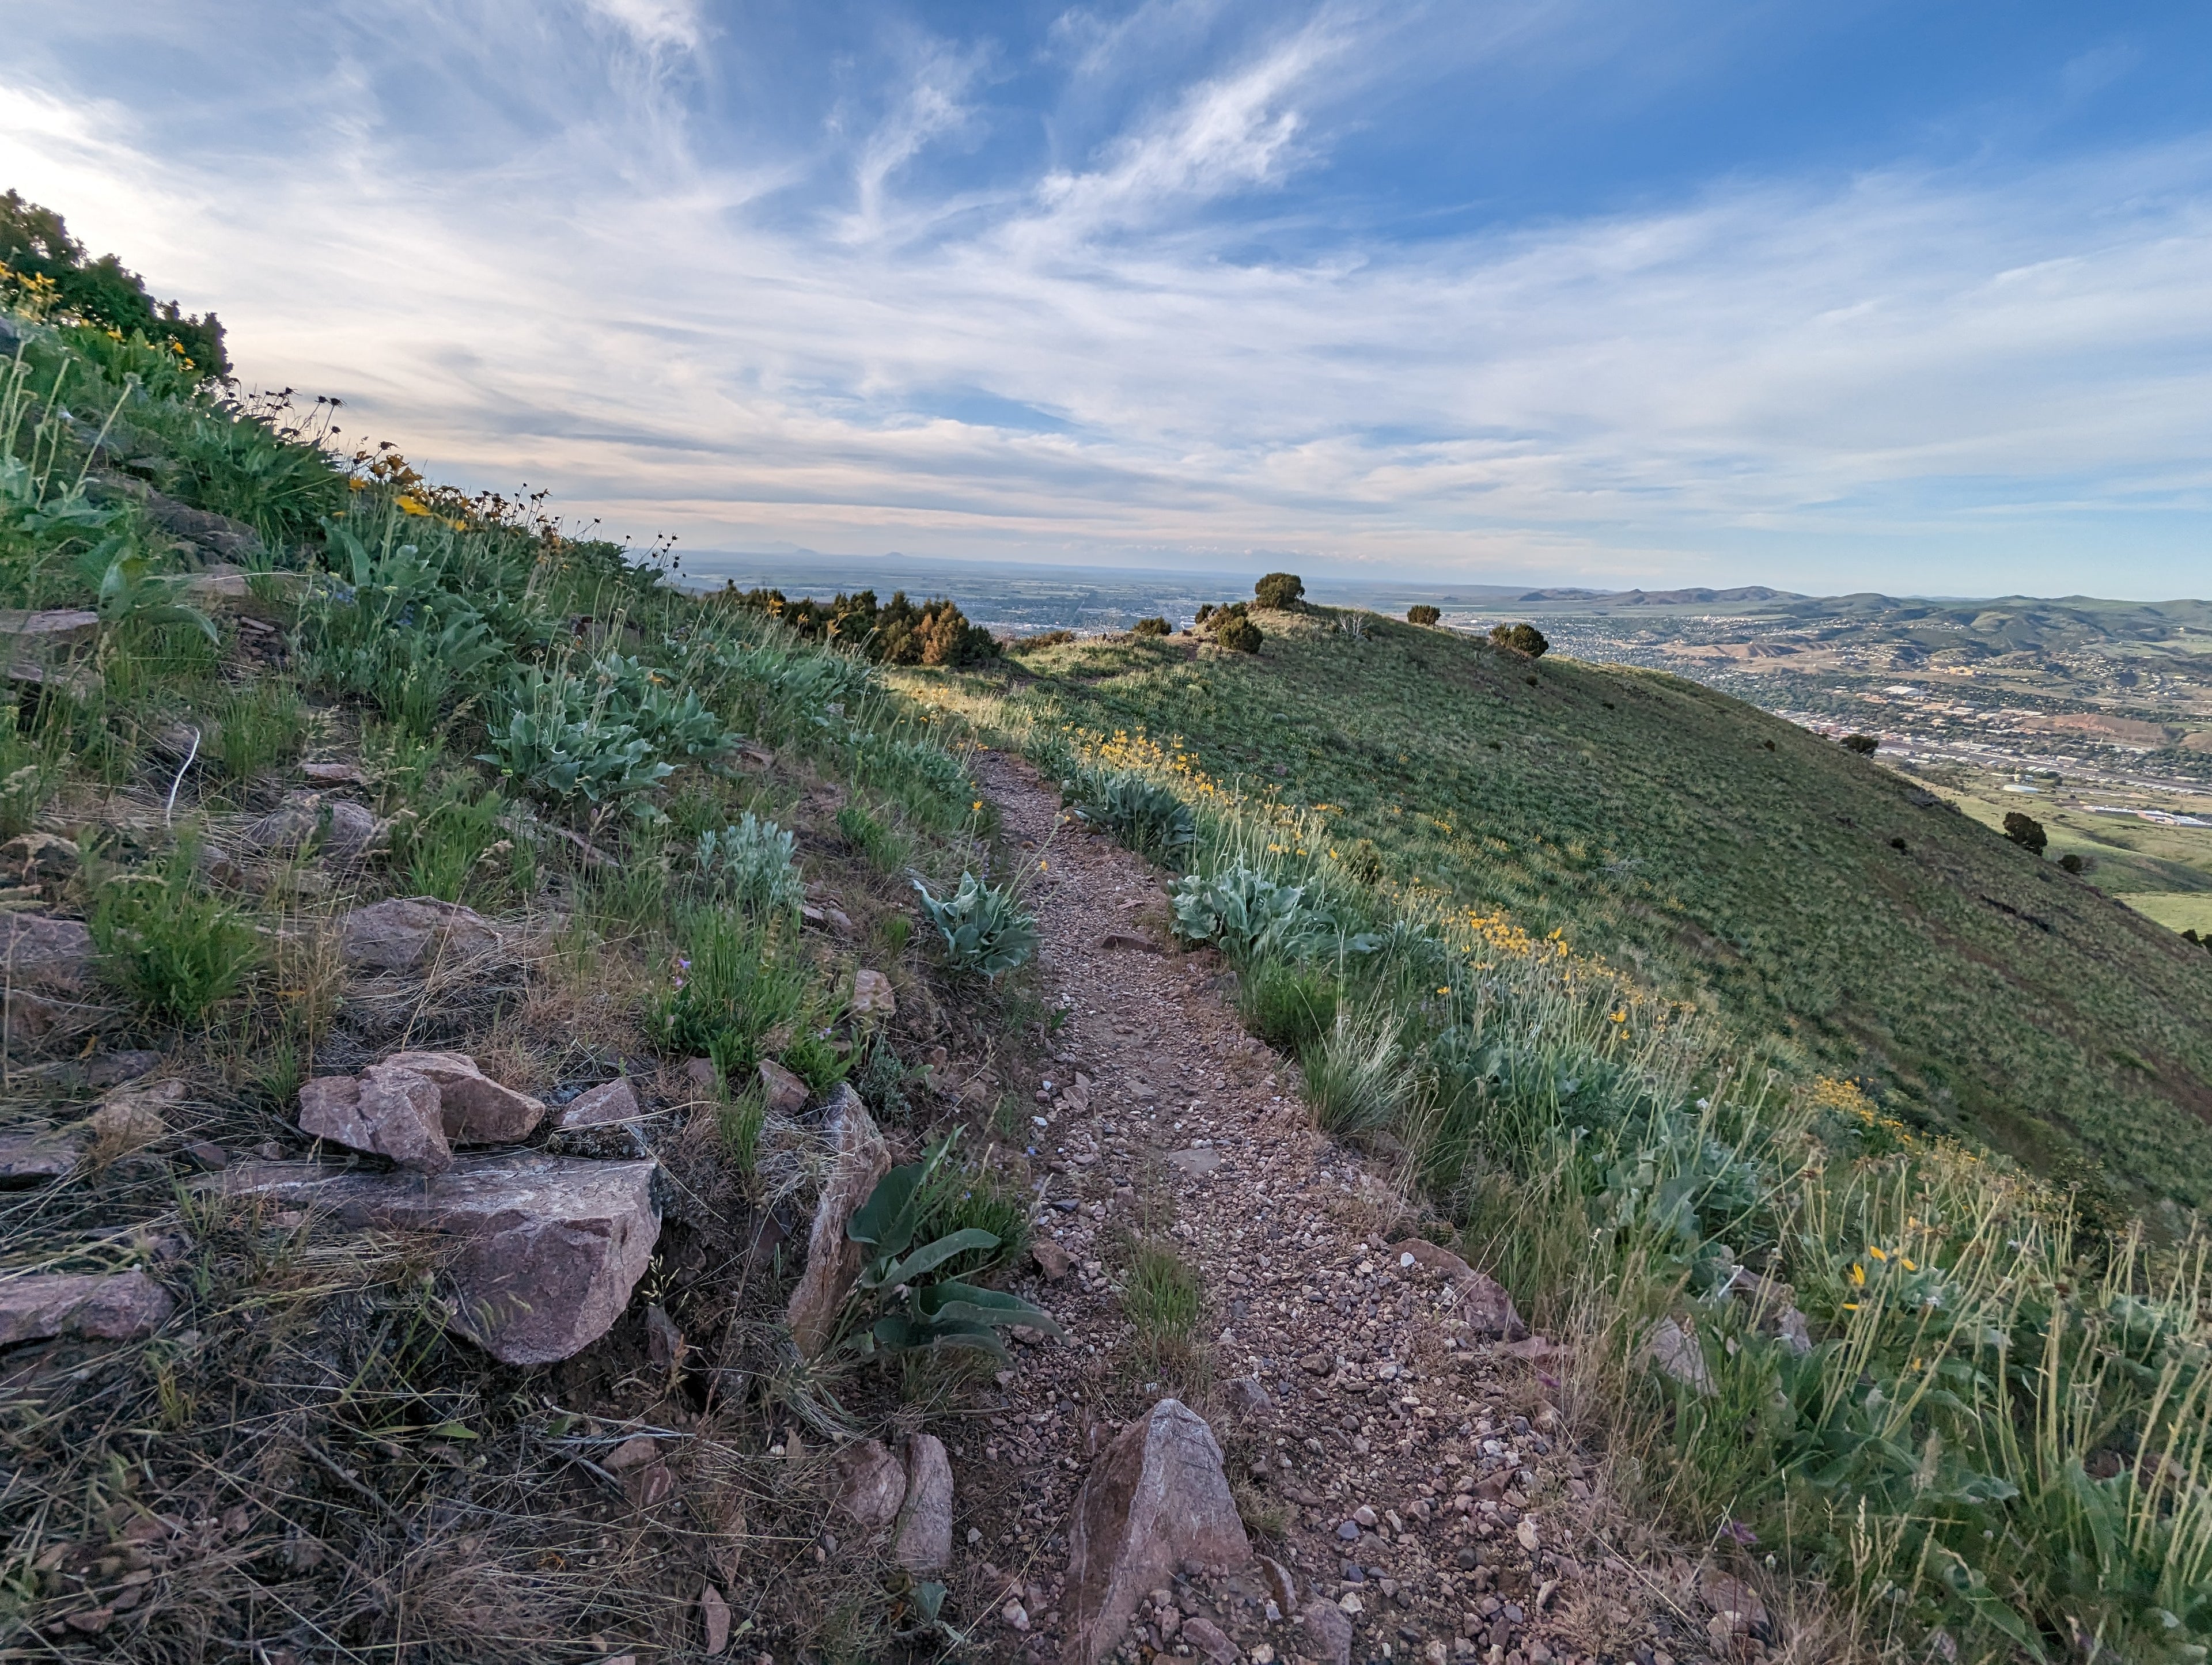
[[749, 865], [1143, 813], [986, 929]]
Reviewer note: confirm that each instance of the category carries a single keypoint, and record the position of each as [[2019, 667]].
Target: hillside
[[1725, 855]]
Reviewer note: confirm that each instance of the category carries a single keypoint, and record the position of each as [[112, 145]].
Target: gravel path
[[1417, 1475]]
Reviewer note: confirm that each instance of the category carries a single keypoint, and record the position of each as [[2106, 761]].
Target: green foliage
[[444, 844], [1285, 1004], [1249, 916], [1161, 1295], [895, 633], [883, 845], [2026, 831], [391, 627], [986, 929], [966, 1196], [254, 464], [561, 740], [737, 1124], [1239, 634], [255, 726], [27, 774], [174, 950], [731, 980], [1279, 591], [1422, 613], [1363, 859], [39, 259], [905, 1296], [1523, 639], [1154, 627], [1357, 1079], [749, 865], [1865, 744], [1143, 813]]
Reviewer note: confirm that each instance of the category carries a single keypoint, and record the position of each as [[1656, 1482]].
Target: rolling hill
[[1805, 893]]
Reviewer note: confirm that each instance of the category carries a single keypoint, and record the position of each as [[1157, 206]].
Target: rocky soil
[[1391, 1441]]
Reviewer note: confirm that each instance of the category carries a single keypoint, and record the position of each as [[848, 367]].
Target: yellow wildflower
[[1859, 1275]]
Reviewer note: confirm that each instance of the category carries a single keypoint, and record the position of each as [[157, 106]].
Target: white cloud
[[654, 23], [1803, 382]]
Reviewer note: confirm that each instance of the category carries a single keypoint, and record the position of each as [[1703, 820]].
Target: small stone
[[924, 1543], [873, 1485], [1526, 1532], [1207, 1636], [1051, 1259], [1197, 1162], [1365, 1514], [1281, 1583], [1349, 1532], [1350, 1602], [1247, 1397], [1676, 1354], [785, 1093], [112, 1069], [1015, 1615], [664, 1342], [1330, 1628], [610, 1102], [702, 1075], [872, 996], [715, 1614], [206, 1155], [637, 1450]]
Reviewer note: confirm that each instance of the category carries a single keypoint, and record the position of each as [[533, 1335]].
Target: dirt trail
[[1338, 1379]]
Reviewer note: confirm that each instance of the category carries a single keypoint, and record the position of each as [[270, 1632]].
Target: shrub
[[1045, 639], [1279, 591], [1422, 613], [174, 950], [986, 928], [1205, 610], [2026, 831], [1154, 627], [561, 740], [2072, 862], [1865, 744], [1144, 814], [1239, 635], [895, 632], [36, 245], [749, 865], [1523, 639]]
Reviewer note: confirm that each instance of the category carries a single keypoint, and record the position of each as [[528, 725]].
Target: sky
[[1862, 296]]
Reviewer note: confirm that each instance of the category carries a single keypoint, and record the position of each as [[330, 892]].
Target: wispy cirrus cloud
[[957, 295]]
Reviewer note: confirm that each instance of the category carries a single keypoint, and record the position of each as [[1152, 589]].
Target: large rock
[[872, 995], [111, 1306], [923, 1544], [784, 1093], [871, 1485], [476, 1109], [1481, 1299], [47, 966], [551, 1248], [1155, 1500], [833, 1260], [1328, 1629], [385, 1111], [38, 858], [401, 934], [343, 829]]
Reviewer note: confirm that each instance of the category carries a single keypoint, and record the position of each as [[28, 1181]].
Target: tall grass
[[1996, 1445]]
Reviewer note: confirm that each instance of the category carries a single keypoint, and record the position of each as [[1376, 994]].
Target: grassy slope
[[1726, 853]]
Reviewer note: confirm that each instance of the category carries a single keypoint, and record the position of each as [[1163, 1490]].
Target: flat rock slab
[[555, 1244], [1197, 1162], [44, 964], [386, 1112], [923, 1544], [400, 934], [1155, 1500], [106, 1306]]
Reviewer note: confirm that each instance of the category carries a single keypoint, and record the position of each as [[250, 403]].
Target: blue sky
[[1861, 297]]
